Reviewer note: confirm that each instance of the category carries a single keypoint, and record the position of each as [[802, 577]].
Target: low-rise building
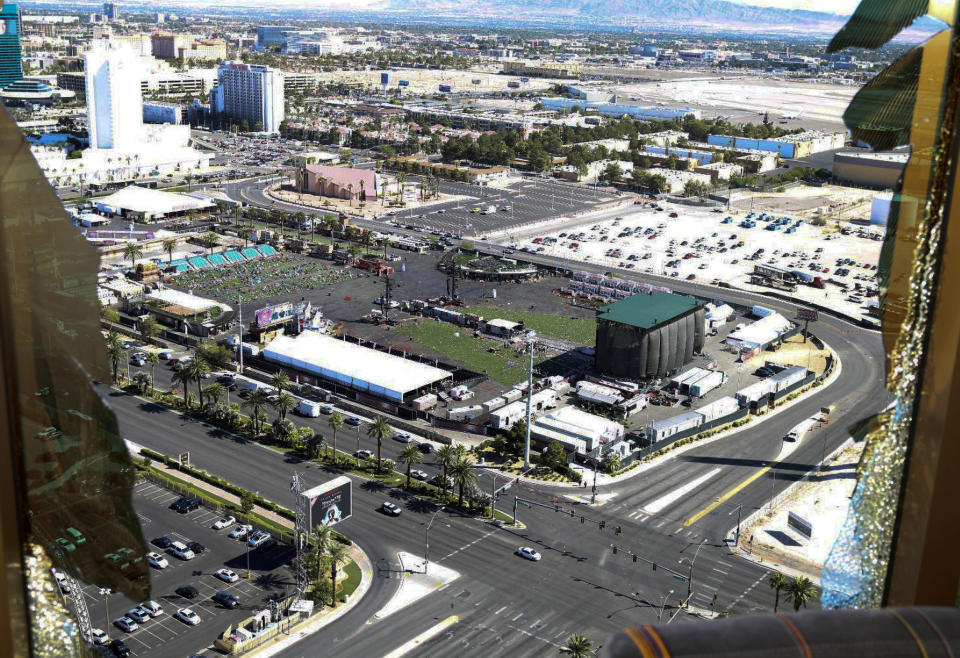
[[577, 430]]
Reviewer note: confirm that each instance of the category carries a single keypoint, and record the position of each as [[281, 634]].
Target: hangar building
[[649, 335]]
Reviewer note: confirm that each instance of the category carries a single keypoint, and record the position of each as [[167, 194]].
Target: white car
[[390, 508], [187, 616], [62, 581], [180, 550], [402, 437], [99, 637], [528, 553], [240, 532], [225, 522], [126, 624], [227, 576], [152, 607], [417, 474], [157, 561]]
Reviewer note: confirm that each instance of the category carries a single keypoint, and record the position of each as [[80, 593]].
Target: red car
[[674, 214]]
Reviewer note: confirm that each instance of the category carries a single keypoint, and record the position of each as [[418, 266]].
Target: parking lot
[[711, 247], [164, 635], [529, 201]]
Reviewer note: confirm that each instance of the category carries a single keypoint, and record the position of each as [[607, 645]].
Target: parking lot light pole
[[106, 592], [531, 337]]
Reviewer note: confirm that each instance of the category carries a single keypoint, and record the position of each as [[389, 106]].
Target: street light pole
[[690, 572], [240, 333], [663, 604], [426, 538], [736, 539], [531, 336], [596, 462], [358, 446], [106, 592]]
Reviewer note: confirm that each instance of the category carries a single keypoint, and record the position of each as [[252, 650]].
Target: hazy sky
[[844, 7]]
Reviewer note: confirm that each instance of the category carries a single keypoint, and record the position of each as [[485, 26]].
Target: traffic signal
[[556, 507], [654, 566], [614, 549], [582, 519], [619, 530], [634, 557], [571, 514], [603, 524]]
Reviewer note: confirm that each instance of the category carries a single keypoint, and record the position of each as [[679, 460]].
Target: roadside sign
[[808, 314], [184, 458]]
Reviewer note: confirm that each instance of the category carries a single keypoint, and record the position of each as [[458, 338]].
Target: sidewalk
[[416, 584]]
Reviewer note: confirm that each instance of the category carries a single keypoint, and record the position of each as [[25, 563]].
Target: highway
[[580, 586]]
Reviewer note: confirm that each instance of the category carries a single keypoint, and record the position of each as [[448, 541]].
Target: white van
[[308, 408], [180, 550], [252, 386]]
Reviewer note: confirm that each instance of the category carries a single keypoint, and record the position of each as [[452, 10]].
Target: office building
[[250, 92], [273, 36], [11, 68]]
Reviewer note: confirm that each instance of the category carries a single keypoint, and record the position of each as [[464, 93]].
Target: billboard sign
[[800, 524], [331, 502], [273, 314], [809, 314]]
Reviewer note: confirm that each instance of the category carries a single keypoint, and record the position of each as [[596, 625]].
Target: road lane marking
[[500, 610], [729, 494], [426, 636], [664, 501]]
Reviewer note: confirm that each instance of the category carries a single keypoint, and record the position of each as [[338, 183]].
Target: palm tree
[[116, 353], [363, 196], [198, 369], [337, 554], [255, 402], [245, 234], [211, 240], [778, 582], [168, 246], [336, 422], [283, 404], [463, 474], [446, 457], [322, 537], [280, 381], [379, 429], [215, 392], [133, 251], [410, 455], [800, 590], [152, 360], [579, 646], [182, 376]]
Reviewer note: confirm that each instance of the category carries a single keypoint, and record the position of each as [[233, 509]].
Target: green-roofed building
[[649, 335]]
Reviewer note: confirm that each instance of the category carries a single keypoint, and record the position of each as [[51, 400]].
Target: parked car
[[126, 624], [119, 648], [99, 637], [224, 522], [185, 504], [180, 550], [157, 561], [187, 591], [226, 599], [188, 616], [352, 420], [240, 532], [162, 541], [528, 553], [268, 545], [138, 615], [152, 607], [227, 575], [196, 547], [257, 538]]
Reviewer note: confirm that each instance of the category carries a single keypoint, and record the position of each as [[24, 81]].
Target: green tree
[[336, 422], [256, 401], [555, 456], [284, 403], [215, 392], [149, 328], [379, 429], [198, 369], [152, 359], [182, 376], [283, 432], [280, 381], [463, 474], [800, 591], [579, 646], [210, 240], [446, 458], [133, 251], [410, 455], [778, 582], [247, 502], [612, 462], [321, 538], [116, 353], [337, 555], [111, 315]]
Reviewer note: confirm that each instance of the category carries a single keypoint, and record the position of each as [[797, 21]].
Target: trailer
[[718, 409], [755, 392], [787, 377], [663, 429], [708, 383]]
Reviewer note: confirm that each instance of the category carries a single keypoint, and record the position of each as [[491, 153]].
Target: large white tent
[[358, 367]]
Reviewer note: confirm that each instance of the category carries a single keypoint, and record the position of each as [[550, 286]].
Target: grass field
[[582, 331], [455, 343]]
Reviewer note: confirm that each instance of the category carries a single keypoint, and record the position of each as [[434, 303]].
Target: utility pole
[[531, 337], [739, 507], [663, 604], [596, 461], [387, 296], [690, 572], [240, 333], [426, 538]]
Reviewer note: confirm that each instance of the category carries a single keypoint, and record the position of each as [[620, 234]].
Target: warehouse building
[[879, 170], [649, 335], [360, 368], [576, 430]]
